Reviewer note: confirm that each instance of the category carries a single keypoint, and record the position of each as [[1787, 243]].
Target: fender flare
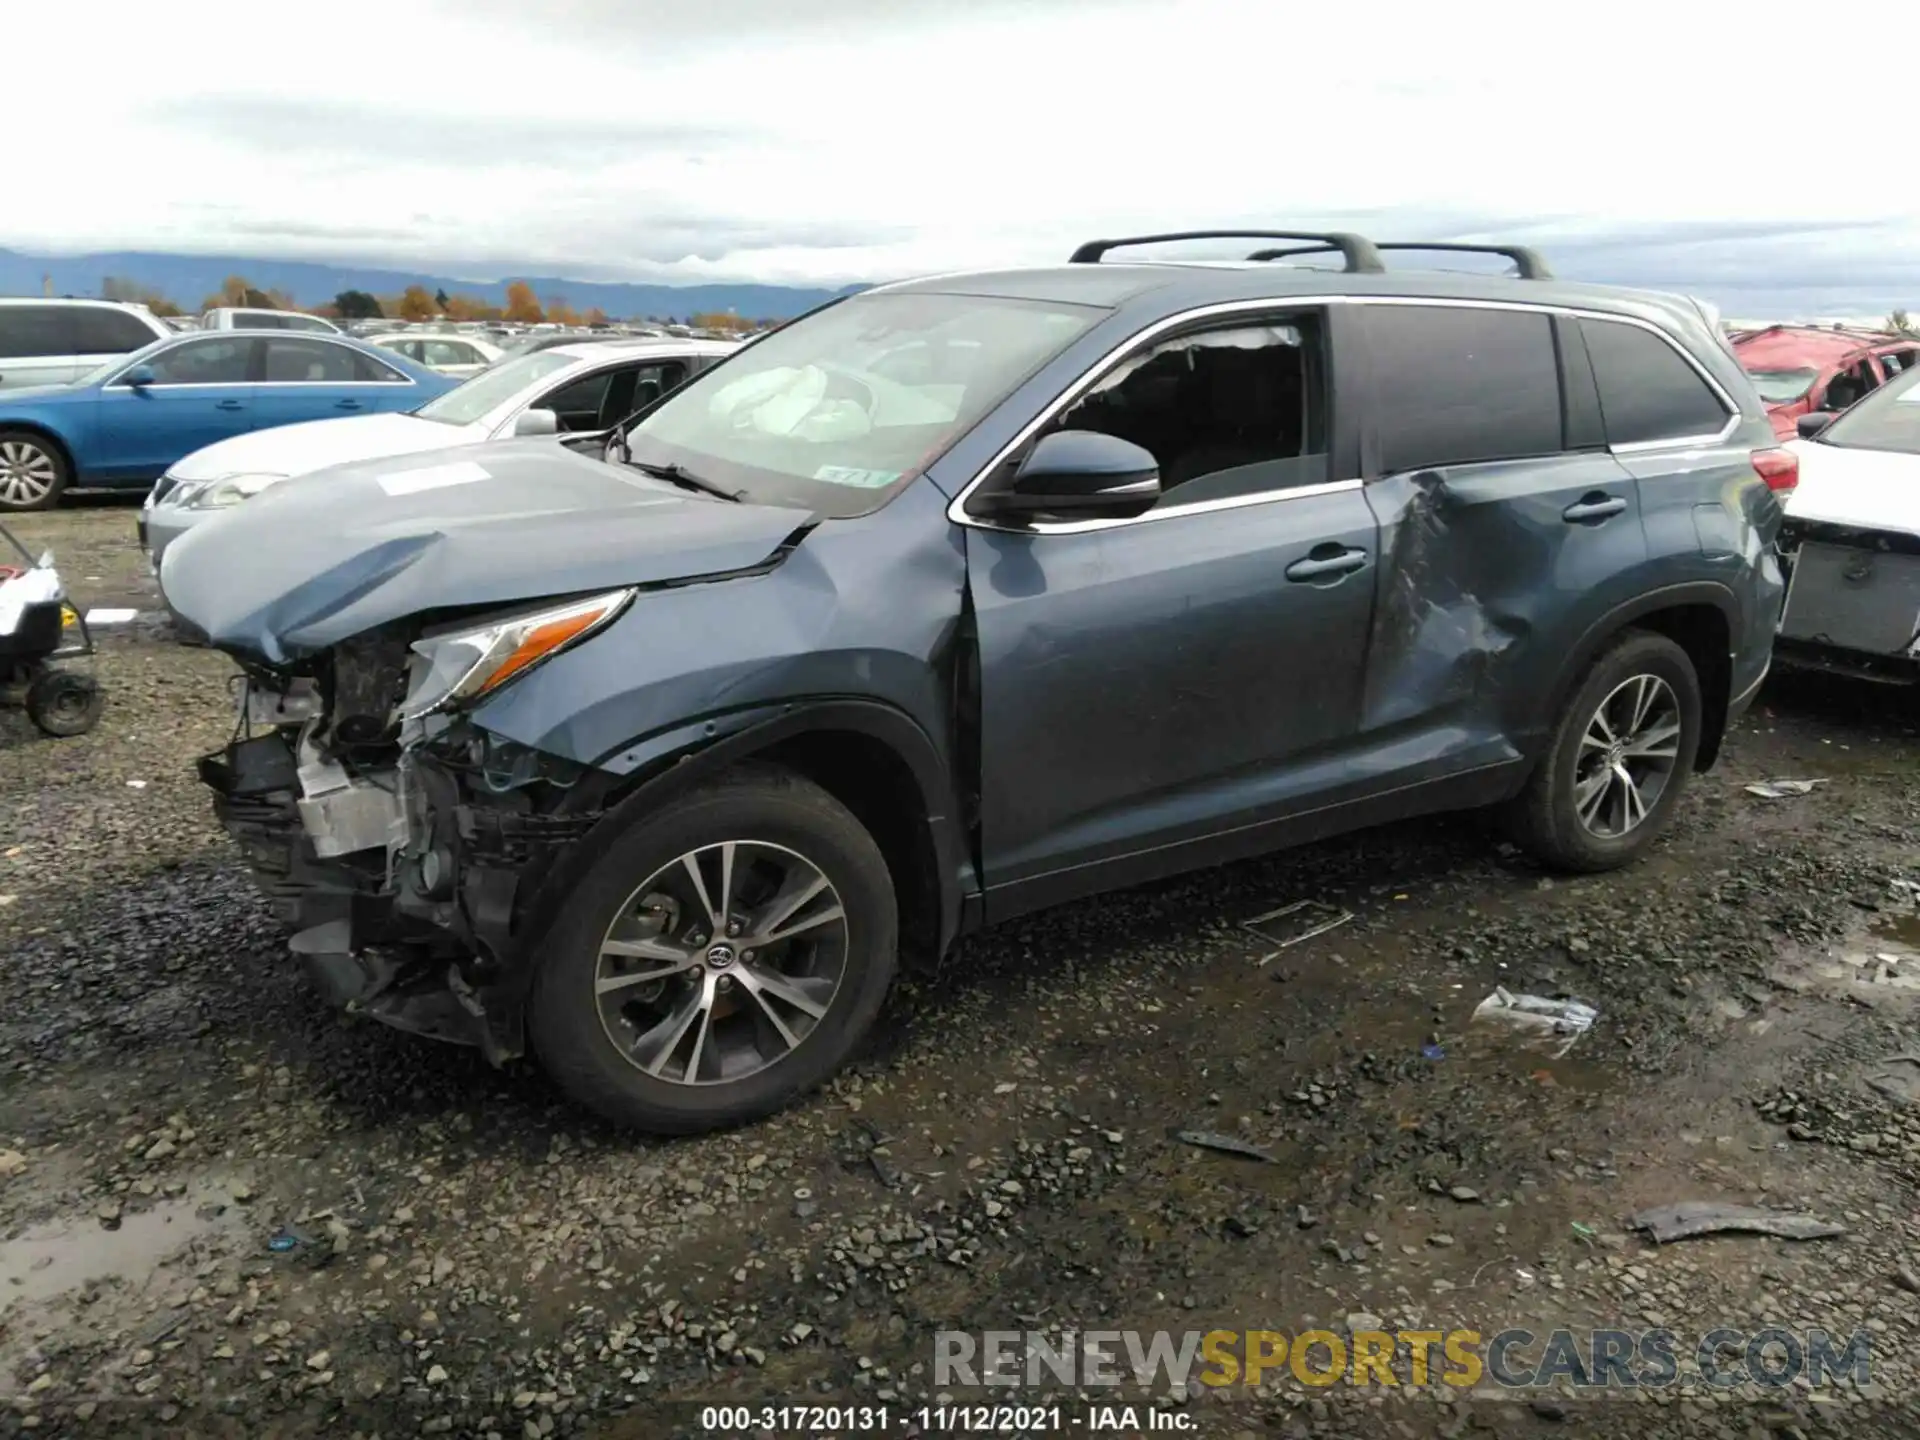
[[674, 761], [1596, 635]]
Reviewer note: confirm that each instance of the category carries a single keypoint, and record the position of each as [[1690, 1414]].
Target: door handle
[[229, 405], [346, 404], [1324, 561], [1593, 507]]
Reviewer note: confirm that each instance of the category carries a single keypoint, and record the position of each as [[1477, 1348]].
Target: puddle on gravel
[[61, 1255]]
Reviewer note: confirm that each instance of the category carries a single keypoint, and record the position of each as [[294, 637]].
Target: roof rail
[[1358, 251], [1529, 262]]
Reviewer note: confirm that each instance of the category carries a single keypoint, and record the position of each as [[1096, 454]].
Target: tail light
[[1779, 468]]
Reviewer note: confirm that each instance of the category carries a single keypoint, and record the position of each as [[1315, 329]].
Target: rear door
[[1504, 521], [199, 395], [303, 377], [36, 345]]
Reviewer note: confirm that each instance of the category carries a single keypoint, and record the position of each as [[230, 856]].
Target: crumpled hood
[[318, 559], [1870, 489], [317, 444]]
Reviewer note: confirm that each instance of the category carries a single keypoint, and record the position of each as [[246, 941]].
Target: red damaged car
[[1803, 369]]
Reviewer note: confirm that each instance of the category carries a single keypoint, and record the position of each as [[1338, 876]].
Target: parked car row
[[652, 748]]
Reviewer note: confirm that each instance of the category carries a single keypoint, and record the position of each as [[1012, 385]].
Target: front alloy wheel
[[719, 958], [32, 473]]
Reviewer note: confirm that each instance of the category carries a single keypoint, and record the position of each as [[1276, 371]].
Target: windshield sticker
[[437, 477], [851, 475]]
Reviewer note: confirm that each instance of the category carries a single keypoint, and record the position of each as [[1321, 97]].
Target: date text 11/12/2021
[[782, 1420]]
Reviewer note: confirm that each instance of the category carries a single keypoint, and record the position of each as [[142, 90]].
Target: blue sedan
[[123, 425]]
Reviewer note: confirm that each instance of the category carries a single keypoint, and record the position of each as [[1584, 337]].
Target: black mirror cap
[[1080, 472], [1809, 426]]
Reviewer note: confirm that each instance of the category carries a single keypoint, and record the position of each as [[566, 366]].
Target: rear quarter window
[[1649, 392], [108, 332], [1457, 385], [27, 330]]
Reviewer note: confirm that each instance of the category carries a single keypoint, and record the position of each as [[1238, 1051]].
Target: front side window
[[1889, 419], [308, 362], [1227, 412], [202, 362], [36, 330], [470, 403], [99, 330], [1648, 391], [810, 416], [1461, 385]]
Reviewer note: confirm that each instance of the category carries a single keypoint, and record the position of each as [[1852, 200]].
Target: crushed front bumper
[[401, 888]]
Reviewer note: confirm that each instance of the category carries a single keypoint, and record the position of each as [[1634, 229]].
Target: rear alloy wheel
[[33, 472], [1621, 754], [721, 958]]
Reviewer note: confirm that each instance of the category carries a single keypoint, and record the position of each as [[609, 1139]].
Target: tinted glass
[[36, 330], [311, 362], [1455, 385], [99, 331], [1648, 391], [376, 372], [202, 362]]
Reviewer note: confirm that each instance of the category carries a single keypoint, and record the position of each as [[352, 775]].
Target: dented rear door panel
[[1490, 575]]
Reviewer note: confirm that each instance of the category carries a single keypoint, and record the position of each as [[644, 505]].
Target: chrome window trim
[[957, 511]]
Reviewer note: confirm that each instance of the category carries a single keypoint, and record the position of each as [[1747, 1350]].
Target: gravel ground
[[229, 1210]]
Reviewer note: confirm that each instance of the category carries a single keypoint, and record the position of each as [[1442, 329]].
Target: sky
[[834, 141]]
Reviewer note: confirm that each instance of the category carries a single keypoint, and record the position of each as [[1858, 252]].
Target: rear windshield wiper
[[686, 480]]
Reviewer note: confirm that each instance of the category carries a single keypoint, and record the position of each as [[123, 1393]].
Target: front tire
[[719, 959], [33, 471], [1621, 753]]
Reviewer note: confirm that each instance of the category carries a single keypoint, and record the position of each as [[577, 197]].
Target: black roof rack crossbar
[[1529, 262], [1358, 251]]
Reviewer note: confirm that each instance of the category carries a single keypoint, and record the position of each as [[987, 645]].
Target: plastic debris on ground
[[1782, 789], [1691, 1218], [1432, 1052], [1315, 917], [281, 1243], [111, 616], [1561, 1022], [1226, 1144]]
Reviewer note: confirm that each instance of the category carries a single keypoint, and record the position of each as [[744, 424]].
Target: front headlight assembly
[[464, 665], [226, 492]]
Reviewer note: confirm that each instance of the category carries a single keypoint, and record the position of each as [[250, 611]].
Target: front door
[[1193, 671], [199, 395]]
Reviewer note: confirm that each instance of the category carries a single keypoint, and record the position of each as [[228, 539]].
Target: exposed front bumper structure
[[1853, 601]]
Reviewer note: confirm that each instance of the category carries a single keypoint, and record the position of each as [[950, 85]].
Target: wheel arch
[[1701, 617], [53, 437]]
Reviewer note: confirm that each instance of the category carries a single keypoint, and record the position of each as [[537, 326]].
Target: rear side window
[[37, 330], [1456, 385], [99, 331], [375, 372], [1648, 390], [309, 362]]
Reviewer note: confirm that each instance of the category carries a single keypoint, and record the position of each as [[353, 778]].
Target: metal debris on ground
[[1316, 915], [1708, 1217], [1781, 789], [1564, 1021], [1226, 1144]]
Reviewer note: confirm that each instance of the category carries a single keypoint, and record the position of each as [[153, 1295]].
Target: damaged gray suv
[[967, 596]]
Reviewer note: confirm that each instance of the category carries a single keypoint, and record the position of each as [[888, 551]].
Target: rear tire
[[33, 471], [768, 1006], [64, 703], [1622, 750]]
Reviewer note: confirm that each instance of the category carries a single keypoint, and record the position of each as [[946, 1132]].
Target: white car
[[1851, 545], [55, 342], [449, 354], [232, 317], [569, 389]]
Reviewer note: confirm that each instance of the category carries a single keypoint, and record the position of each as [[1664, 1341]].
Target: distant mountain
[[188, 279]]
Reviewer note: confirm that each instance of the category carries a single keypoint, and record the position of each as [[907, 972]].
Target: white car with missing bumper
[[1852, 539], [569, 389]]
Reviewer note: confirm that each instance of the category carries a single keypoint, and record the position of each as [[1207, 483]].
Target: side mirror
[[1809, 426], [537, 422], [1080, 472], [139, 377]]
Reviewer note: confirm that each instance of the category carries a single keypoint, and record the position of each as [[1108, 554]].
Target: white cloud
[[859, 139]]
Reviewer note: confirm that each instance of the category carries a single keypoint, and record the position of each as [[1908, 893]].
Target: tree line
[[414, 303]]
